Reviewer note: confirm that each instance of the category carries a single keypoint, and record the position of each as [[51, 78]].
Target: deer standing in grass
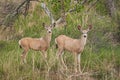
[[37, 44], [76, 46]]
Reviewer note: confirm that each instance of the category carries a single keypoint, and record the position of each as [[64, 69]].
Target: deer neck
[[48, 37]]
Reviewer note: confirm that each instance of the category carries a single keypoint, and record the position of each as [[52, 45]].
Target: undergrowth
[[100, 57]]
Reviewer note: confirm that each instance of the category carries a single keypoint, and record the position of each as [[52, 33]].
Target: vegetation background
[[101, 57]]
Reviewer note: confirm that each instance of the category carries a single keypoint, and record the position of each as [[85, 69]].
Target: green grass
[[103, 63], [100, 57]]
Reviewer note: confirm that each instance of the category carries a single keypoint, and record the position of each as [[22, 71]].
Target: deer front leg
[[33, 60], [23, 56], [79, 67], [75, 64], [44, 55]]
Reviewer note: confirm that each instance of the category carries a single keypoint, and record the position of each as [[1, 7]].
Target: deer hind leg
[[59, 52], [44, 55], [23, 56], [60, 57], [62, 61], [76, 61]]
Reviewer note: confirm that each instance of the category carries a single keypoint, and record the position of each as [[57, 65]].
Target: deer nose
[[49, 31], [85, 36]]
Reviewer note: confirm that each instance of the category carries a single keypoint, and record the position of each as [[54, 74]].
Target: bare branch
[[84, 1], [27, 7], [43, 5], [17, 9], [12, 15], [61, 22]]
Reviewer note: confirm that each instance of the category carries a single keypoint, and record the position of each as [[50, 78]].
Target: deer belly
[[72, 48], [35, 46], [69, 47]]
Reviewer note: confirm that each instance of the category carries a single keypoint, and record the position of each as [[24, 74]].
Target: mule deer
[[75, 46], [37, 44]]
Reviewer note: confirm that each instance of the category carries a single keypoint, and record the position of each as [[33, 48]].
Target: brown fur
[[37, 44], [75, 46], [69, 44]]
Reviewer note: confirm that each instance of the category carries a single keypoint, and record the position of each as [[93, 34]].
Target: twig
[[27, 7], [93, 4], [80, 3], [12, 15], [84, 1], [17, 9], [81, 74]]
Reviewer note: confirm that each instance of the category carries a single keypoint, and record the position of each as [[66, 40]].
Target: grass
[[100, 57], [103, 64]]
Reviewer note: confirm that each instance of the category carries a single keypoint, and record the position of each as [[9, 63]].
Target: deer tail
[[56, 44], [20, 44]]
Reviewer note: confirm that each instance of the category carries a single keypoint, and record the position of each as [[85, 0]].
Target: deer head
[[49, 28], [84, 32]]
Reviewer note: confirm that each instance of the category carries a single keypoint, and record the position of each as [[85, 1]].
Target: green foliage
[[79, 8], [57, 6], [100, 57], [101, 8], [6, 46]]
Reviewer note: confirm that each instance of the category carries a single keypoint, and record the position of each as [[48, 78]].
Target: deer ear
[[54, 24], [79, 27], [90, 27]]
